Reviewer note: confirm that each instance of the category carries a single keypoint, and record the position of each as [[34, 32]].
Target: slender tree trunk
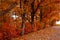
[[33, 12], [41, 10], [23, 23]]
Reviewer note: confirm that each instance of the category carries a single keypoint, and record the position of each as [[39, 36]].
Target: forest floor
[[52, 33]]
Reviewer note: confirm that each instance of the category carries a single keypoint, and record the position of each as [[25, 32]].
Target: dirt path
[[45, 34]]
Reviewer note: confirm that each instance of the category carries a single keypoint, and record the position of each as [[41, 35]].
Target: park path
[[52, 33]]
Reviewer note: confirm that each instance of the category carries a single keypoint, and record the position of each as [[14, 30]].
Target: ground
[[52, 33]]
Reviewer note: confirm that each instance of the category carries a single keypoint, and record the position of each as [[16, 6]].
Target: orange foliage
[[28, 28], [48, 15]]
